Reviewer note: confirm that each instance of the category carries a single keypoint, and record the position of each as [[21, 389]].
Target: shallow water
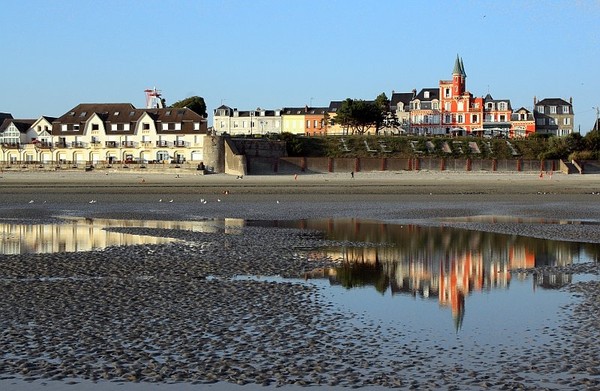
[[453, 296]]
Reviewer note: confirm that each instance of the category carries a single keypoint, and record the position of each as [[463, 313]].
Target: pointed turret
[[457, 67], [458, 77]]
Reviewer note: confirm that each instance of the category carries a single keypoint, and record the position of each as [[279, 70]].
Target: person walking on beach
[[352, 174]]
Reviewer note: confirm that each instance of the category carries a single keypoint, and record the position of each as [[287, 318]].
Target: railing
[[162, 143], [128, 144], [180, 143], [11, 145], [78, 144], [43, 145], [111, 144]]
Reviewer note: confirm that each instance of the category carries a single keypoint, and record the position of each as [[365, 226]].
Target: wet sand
[[122, 316]]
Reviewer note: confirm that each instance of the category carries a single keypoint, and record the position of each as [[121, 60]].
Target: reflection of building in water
[[89, 234], [436, 261]]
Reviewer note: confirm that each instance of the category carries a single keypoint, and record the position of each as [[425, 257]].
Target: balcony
[[180, 143], [128, 144], [111, 144], [78, 144], [162, 143], [146, 143], [11, 145], [43, 145]]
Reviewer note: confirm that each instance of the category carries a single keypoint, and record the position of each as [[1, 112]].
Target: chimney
[[571, 100], [535, 100]]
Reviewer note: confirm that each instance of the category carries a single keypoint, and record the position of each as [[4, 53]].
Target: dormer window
[[83, 114], [168, 112], [116, 113], [131, 113], [426, 95]]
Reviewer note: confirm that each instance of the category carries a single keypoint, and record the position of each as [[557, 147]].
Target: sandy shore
[[120, 318]]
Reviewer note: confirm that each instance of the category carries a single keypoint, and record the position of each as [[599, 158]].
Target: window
[[447, 92], [447, 119], [435, 105], [63, 127], [168, 112], [502, 118], [565, 109], [460, 119], [502, 106], [551, 121], [116, 113], [316, 123], [567, 121], [540, 121], [461, 106], [448, 106], [131, 113], [95, 127], [178, 126], [196, 125], [552, 109], [426, 94], [76, 127], [113, 127], [474, 118], [540, 109], [83, 114], [244, 124], [126, 127], [307, 123]]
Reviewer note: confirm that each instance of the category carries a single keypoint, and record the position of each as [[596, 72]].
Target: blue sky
[[276, 53]]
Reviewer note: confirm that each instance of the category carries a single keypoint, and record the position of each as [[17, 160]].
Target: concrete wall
[[235, 163]]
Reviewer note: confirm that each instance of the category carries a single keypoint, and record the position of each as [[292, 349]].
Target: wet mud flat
[[179, 314]]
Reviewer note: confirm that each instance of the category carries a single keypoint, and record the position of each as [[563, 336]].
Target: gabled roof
[[3, 116], [488, 98], [434, 93], [293, 110], [22, 125], [110, 112], [317, 110], [553, 102], [404, 97], [334, 105]]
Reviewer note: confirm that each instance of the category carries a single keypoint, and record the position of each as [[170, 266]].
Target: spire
[[457, 67], [462, 68]]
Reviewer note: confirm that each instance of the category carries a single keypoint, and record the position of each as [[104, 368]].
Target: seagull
[[218, 200], [31, 202], [170, 200], [92, 202], [160, 200], [277, 201]]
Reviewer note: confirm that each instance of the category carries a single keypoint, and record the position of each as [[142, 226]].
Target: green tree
[[357, 116], [194, 103], [383, 105]]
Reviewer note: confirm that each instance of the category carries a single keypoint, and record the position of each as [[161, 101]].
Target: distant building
[[425, 113], [553, 116], [461, 113], [118, 132], [522, 123], [317, 121], [248, 122], [293, 119], [400, 106]]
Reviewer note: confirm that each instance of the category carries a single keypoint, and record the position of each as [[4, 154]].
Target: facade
[[251, 122], [293, 119], [497, 114], [425, 113], [461, 113], [553, 116], [317, 121], [522, 123], [118, 132], [400, 107], [106, 133]]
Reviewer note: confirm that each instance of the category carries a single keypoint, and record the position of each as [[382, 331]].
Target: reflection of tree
[[358, 275]]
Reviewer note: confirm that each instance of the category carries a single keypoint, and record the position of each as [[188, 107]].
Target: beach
[[119, 318]]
